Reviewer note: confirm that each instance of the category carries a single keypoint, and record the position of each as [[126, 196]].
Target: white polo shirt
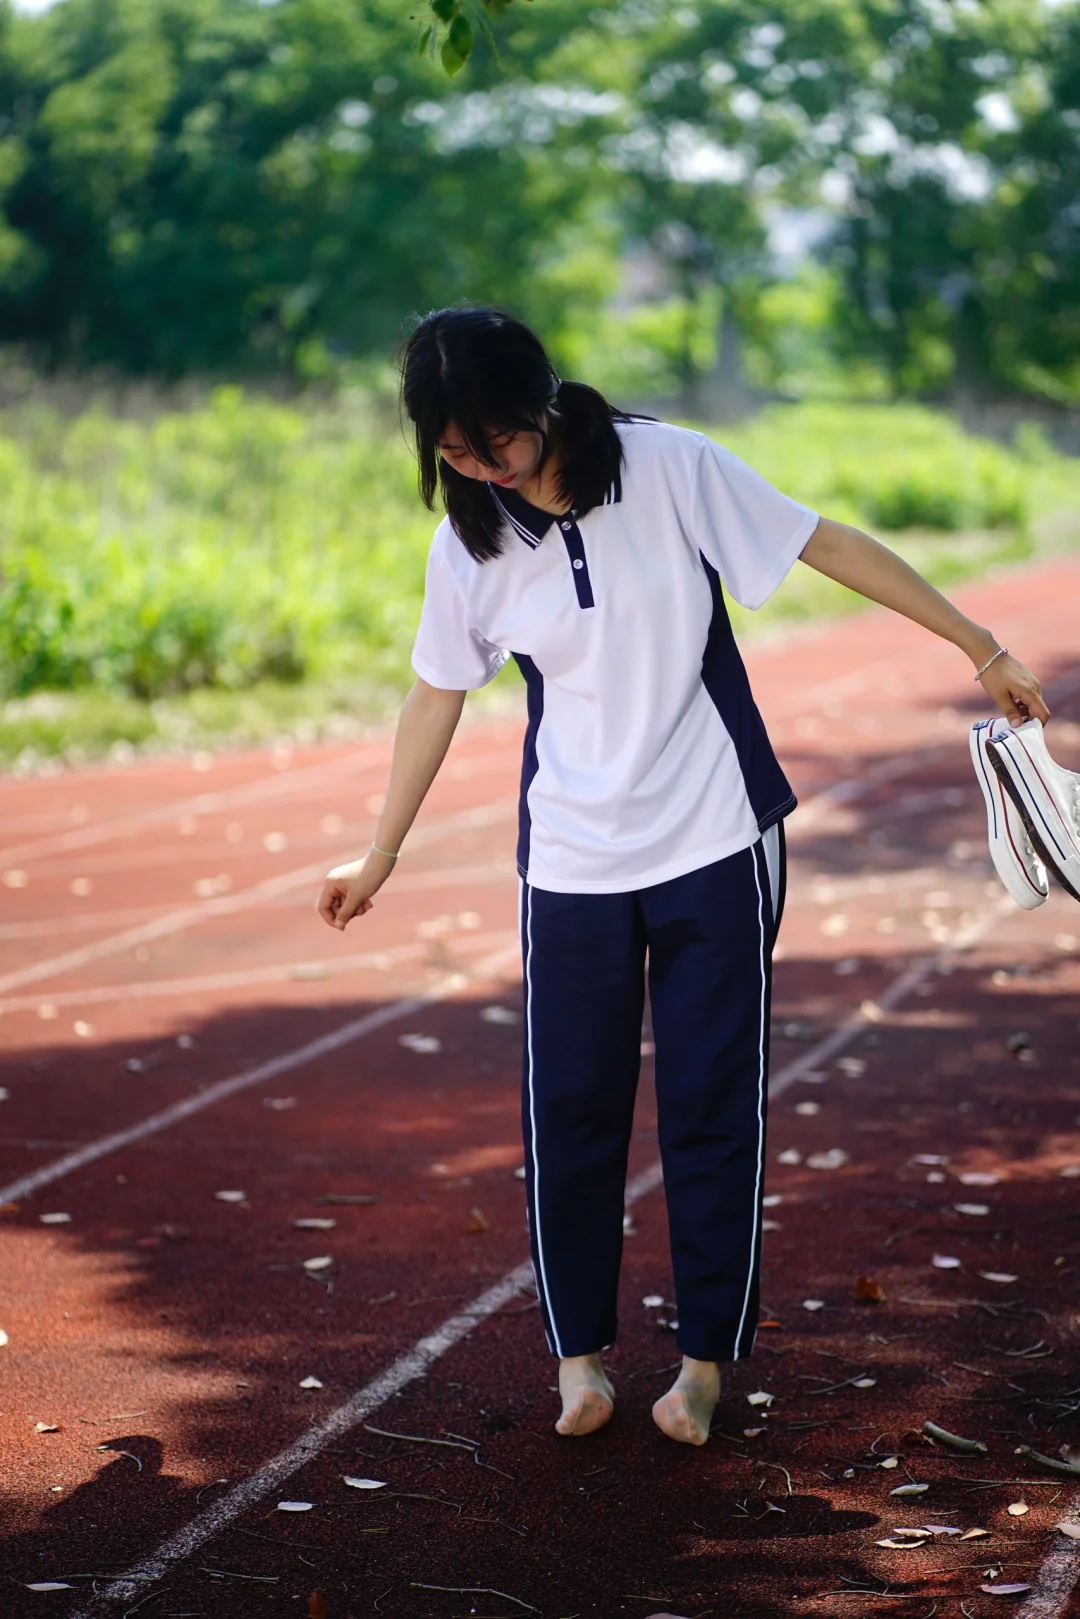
[[645, 755]]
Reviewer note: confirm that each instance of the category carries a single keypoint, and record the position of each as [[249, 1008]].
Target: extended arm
[[429, 718], [852, 558]]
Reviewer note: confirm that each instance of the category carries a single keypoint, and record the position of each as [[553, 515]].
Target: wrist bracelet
[[1002, 652], [385, 852]]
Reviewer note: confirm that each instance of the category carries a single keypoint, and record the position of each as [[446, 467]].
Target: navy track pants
[[708, 937]]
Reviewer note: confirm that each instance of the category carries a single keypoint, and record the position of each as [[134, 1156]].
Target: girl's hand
[[348, 889], [1015, 690]]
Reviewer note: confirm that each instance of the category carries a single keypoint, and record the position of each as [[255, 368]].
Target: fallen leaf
[[756, 1433], [4, 1339], [760, 1398], [1070, 1172], [1005, 1590], [231, 1197], [519, 1172], [940, 1529], [808, 1109], [899, 1545], [978, 1177], [628, 1225], [1018, 1509], [789, 1156], [889, 1462], [851, 1067], [868, 1290], [945, 1262], [424, 1044], [5, 1094], [911, 1534], [50, 1585], [46, 1427], [498, 1014], [933, 1159], [835, 1158], [975, 1534], [365, 1483], [997, 1276], [1070, 1527], [83, 1029], [864, 1383], [279, 1104], [476, 1222], [55, 1219], [935, 1177], [770, 1325], [653, 1301], [773, 1200], [315, 1222], [310, 1383], [1070, 1454], [771, 1225], [320, 1262], [910, 1489], [972, 1208], [813, 1304], [295, 1506]]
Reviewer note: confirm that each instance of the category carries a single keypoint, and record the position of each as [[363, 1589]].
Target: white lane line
[[315, 970], [410, 1365], [281, 784], [416, 1361], [282, 1064], [1057, 1577], [189, 916]]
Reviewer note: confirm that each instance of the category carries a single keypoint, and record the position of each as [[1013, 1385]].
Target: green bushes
[[245, 541]]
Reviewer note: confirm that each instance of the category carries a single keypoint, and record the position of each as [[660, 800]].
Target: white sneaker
[[1046, 795], [1015, 860]]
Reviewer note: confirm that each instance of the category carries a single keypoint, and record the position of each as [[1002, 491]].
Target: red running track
[[177, 1023]]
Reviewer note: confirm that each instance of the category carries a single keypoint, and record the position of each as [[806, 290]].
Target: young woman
[[591, 546]]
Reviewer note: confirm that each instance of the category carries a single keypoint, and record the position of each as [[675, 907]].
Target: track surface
[[157, 940]]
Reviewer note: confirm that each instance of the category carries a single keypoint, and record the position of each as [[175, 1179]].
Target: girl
[[591, 547]]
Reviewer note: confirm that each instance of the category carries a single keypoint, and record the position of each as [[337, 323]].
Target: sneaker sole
[[1008, 861]]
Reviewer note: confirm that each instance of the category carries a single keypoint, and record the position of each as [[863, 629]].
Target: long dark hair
[[477, 367]]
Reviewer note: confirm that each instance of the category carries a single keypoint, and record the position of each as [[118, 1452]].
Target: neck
[[542, 489]]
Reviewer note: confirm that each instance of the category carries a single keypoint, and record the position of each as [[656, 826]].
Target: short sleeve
[[749, 531], [449, 652]]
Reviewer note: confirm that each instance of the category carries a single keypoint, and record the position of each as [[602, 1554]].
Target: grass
[[244, 569]]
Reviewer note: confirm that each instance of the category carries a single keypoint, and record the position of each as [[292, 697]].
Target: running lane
[[175, 1329]]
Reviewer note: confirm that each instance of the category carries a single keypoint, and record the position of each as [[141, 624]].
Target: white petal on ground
[[760, 1398], [424, 1044], [865, 1383], [813, 1304], [941, 1529], [935, 1177], [55, 1219], [945, 1262], [4, 1339], [807, 1110], [498, 1014], [771, 1225], [1070, 1172], [899, 1545], [835, 1158], [652, 1301], [978, 1177], [909, 1489], [851, 1067], [315, 1222], [1070, 1527], [972, 1208], [519, 1172], [1005, 1590], [365, 1483], [755, 1433], [997, 1276], [295, 1506], [773, 1200], [320, 1262], [975, 1534], [1018, 1509], [50, 1585], [789, 1156], [310, 1383], [279, 1104], [889, 1462], [1070, 1454], [5, 1094], [931, 1158], [231, 1197]]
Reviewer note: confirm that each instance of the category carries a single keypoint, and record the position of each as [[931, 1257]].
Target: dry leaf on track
[[1070, 1527], [55, 1219], [851, 1067], [978, 1177], [1005, 1590], [813, 1304], [835, 1158], [46, 1427], [310, 1383], [1018, 1509], [423, 1044], [909, 1489], [315, 1222], [760, 1398], [975, 1534], [477, 1222], [364, 1483], [499, 1014], [295, 1506], [807, 1110], [997, 1276], [945, 1262], [972, 1208], [320, 1262], [50, 1585], [231, 1197], [790, 1156], [868, 1290]]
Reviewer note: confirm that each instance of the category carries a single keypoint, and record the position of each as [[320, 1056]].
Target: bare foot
[[685, 1412], [587, 1396]]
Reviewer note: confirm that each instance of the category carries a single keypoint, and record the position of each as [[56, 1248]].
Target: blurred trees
[[199, 185]]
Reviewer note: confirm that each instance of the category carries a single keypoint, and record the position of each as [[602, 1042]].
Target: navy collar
[[529, 522]]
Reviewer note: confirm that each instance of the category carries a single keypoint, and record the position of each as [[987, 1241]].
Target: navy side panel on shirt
[[727, 683], [534, 688]]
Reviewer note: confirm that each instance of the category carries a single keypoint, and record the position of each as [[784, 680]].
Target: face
[[517, 457]]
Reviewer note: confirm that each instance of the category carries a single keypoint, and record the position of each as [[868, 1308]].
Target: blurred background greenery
[[845, 236]]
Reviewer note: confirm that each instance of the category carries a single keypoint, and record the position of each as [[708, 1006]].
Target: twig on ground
[[1048, 1461], [474, 1590], [653, 1371], [953, 1440], [779, 1469], [418, 1439], [229, 1574], [151, 1597]]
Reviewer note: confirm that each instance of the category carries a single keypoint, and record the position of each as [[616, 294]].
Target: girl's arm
[[852, 558], [427, 724]]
